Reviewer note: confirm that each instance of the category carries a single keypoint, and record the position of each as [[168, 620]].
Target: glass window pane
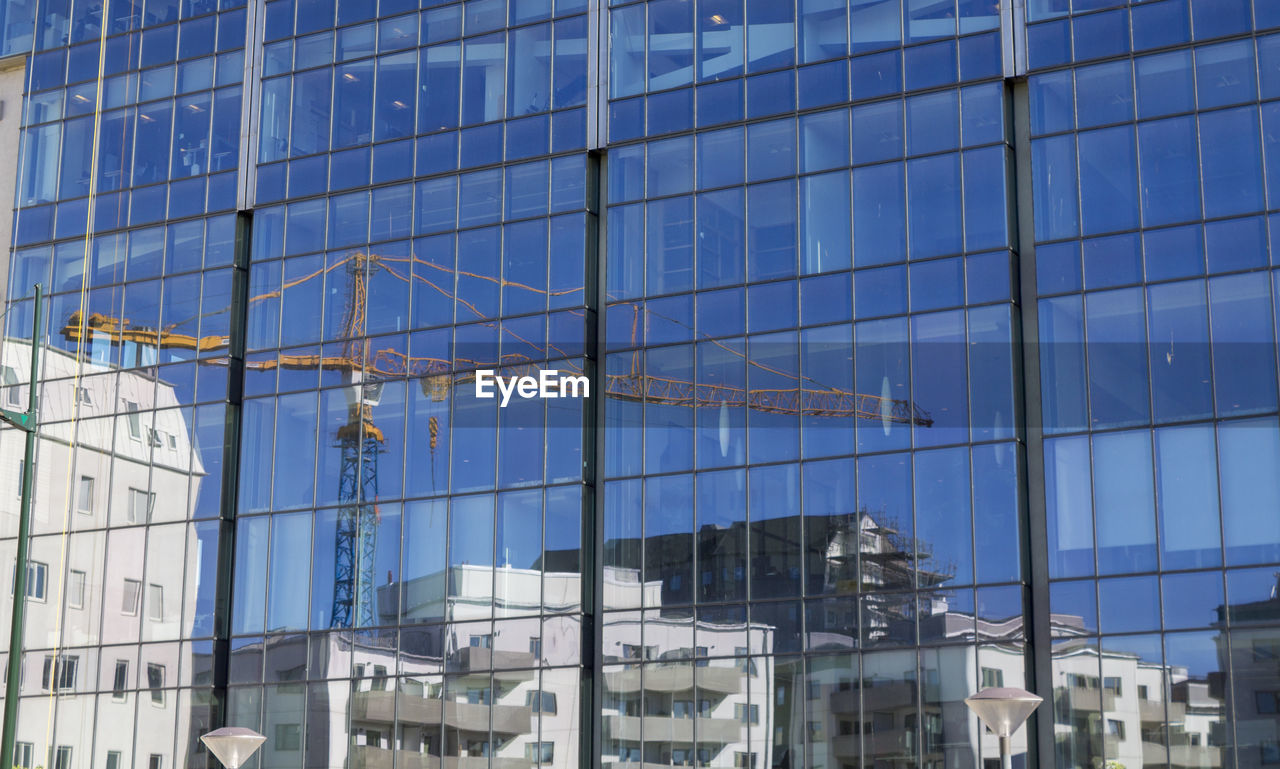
[[1124, 502]]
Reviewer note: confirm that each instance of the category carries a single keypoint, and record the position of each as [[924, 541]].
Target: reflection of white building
[[114, 563], [1116, 708]]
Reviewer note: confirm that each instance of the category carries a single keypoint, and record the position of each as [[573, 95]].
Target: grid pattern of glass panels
[[1157, 354]]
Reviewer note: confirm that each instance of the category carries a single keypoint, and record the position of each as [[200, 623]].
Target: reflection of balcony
[[679, 730], [380, 707], [1081, 699], [477, 659], [882, 745], [365, 757], [1107, 744], [886, 697], [480, 762], [1152, 711], [661, 678]]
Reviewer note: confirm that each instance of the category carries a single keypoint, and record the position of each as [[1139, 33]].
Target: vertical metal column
[[593, 473], [231, 466], [1040, 736]]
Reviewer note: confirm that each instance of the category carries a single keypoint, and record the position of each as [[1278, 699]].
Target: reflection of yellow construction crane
[[807, 397]]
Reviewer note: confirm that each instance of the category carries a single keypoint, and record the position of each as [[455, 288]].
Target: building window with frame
[[1115, 728], [37, 580], [22, 754], [12, 392], [84, 495], [113, 759], [155, 761], [155, 682], [540, 752], [992, 677], [155, 603], [59, 672], [132, 597], [140, 506], [288, 737], [1112, 684], [120, 681], [134, 420], [540, 701], [75, 588], [62, 757]]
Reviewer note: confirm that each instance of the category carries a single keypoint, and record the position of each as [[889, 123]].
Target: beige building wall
[[12, 76]]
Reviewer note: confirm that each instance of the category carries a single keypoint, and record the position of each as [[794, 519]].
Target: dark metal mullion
[[224, 602], [590, 743], [1035, 535]]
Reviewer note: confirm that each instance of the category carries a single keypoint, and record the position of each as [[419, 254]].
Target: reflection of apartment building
[[457, 688], [113, 563], [1117, 707], [1253, 656]]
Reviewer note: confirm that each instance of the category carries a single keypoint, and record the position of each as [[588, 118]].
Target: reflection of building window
[[540, 701], [482, 641], [1266, 650], [743, 760], [62, 757], [133, 419], [22, 754], [540, 752], [747, 714], [1112, 684], [288, 737], [155, 606], [1143, 692], [815, 730], [12, 393], [156, 761], [59, 672], [83, 396], [1268, 703], [37, 576], [379, 678], [1115, 728], [140, 504], [535, 647], [992, 677], [75, 589], [84, 498], [155, 682], [478, 696], [113, 759], [1081, 681], [120, 681], [881, 721], [1270, 751], [132, 593]]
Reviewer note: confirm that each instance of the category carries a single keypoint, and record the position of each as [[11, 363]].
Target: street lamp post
[[1003, 711], [233, 745]]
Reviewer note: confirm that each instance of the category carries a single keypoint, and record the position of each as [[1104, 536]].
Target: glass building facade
[[931, 347]]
